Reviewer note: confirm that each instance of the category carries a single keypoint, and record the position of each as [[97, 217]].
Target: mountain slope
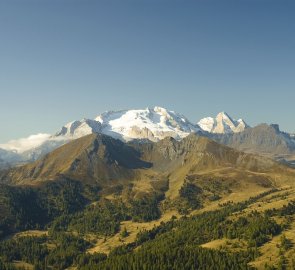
[[6, 157], [263, 139], [203, 161], [104, 161], [91, 158]]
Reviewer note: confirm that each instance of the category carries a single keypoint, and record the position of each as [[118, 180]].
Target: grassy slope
[[271, 251]]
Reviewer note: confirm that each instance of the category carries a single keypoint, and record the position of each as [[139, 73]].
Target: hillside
[[97, 194], [91, 158]]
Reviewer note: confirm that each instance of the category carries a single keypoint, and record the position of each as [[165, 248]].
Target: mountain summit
[[222, 124], [152, 124]]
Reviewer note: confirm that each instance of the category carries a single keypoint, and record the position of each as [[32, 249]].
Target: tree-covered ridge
[[175, 244], [26, 208], [67, 205], [36, 251], [255, 228], [102, 218], [165, 256], [286, 210]]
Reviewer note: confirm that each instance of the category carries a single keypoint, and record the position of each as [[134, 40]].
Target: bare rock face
[[141, 133], [222, 124], [261, 139]]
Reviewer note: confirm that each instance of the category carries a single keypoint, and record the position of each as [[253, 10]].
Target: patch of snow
[[207, 123], [77, 129]]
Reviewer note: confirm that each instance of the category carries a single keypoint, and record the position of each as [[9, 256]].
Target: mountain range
[[148, 183], [154, 124], [99, 159]]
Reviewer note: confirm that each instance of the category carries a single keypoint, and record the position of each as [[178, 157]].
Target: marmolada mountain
[[148, 189]]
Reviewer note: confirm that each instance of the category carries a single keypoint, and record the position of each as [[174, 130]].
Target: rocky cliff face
[[263, 139]]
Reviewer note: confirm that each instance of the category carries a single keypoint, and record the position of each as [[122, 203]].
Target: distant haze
[[66, 60]]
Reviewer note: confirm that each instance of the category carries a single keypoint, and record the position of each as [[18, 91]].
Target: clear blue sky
[[62, 60]]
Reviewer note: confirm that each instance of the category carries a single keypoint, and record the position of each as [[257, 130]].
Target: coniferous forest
[[64, 210]]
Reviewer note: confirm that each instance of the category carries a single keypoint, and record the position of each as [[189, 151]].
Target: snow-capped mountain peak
[[222, 123], [150, 123]]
